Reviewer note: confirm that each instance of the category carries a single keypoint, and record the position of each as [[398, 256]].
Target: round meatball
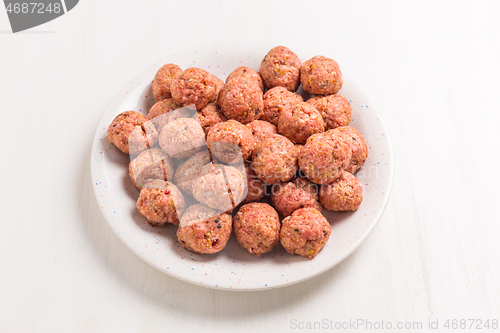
[[247, 73], [261, 130], [324, 156], [149, 165], [321, 76], [276, 100], [161, 203], [256, 188], [281, 67], [163, 80], [275, 160], [289, 197], [257, 228], [132, 133], [344, 194], [220, 187], [230, 140], [166, 111], [359, 148], [182, 138], [188, 171], [218, 87], [335, 109], [299, 122], [241, 99], [298, 147], [305, 232], [194, 86], [209, 116], [204, 230]]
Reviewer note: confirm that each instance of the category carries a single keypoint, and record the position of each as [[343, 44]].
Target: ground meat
[[324, 156], [221, 187], [276, 100], [149, 165], [218, 87], [230, 140], [261, 130], [166, 111], [132, 133], [294, 195], [344, 194], [204, 230], [335, 109], [305, 232], [194, 86], [298, 147], [257, 228], [256, 188], [321, 76], [236, 182], [190, 170], [163, 80], [299, 122], [182, 138], [281, 67], [248, 73], [241, 99], [161, 203], [359, 148], [275, 160], [209, 116]]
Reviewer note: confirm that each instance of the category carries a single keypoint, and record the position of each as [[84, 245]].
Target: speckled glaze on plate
[[234, 268]]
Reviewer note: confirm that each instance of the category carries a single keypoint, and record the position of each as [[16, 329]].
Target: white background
[[431, 67]]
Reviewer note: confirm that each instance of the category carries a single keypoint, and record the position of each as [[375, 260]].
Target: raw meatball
[[257, 227], [276, 100], [230, 140], [182, 138], [132, 133], [163, 80], [149, 165], [294, 195], [335, 109], [344, 194], [190, 170], [248, 73], [321, 76], [261, 130], [298, 147], [194, 86], [218, 87], [241, 99], [236, 183], [299, 122], [209, 116], [161, 203], [204, 230], [256, 188], [275, 160], [305, 232], [324, 157], [359, 148], [221, 187], [281, 67], [166, 111]]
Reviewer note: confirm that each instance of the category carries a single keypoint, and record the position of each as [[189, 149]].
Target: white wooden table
[[431, 67]]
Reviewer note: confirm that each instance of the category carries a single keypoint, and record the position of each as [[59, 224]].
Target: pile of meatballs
[[248, 155]]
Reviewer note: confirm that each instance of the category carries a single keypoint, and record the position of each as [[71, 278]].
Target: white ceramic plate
[[234, 268]]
